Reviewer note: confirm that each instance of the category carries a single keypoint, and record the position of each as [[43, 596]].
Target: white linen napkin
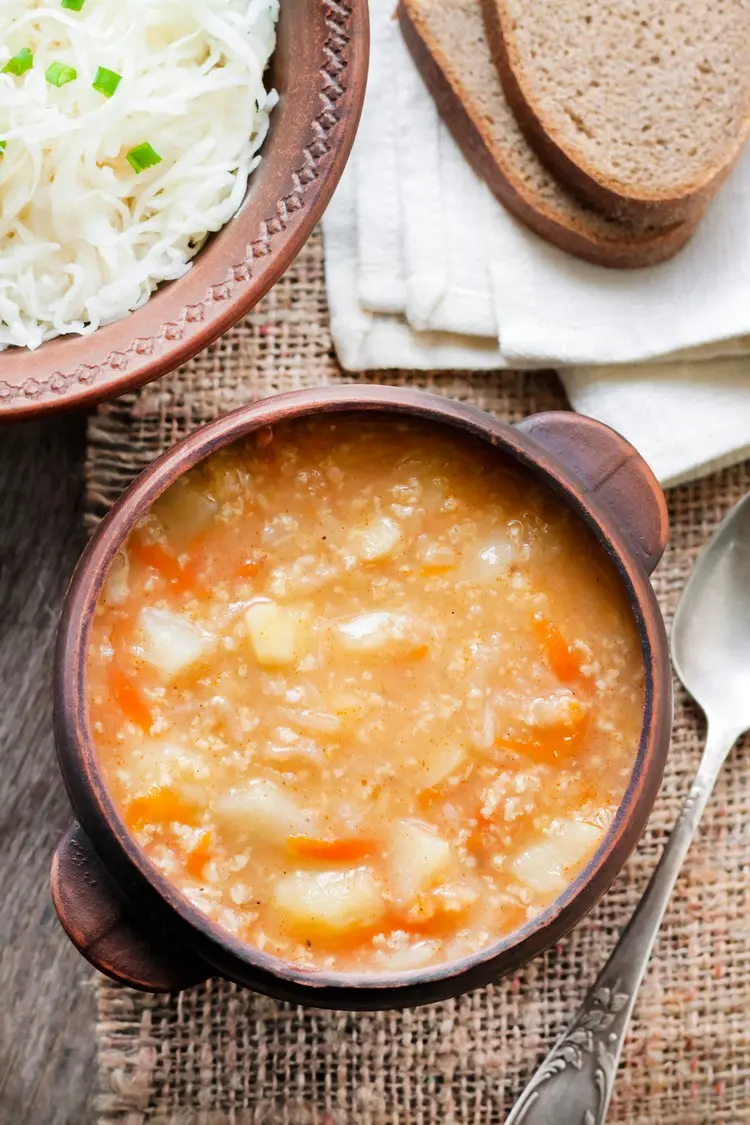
[[379, 268], [686, 418], [553, 307], [365, 340], [425, 269]]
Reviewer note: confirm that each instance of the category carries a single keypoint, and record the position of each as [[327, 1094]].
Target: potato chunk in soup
[[365, 692]]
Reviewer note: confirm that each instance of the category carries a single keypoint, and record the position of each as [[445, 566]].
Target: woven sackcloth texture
[[217, 1055]]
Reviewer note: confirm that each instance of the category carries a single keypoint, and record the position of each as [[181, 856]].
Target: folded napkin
[[365, 339], [425, 269]]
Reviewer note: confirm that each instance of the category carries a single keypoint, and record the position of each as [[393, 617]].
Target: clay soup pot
[[134, 925]]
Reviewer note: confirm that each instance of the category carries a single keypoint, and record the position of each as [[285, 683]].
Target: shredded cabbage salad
[[128, 130]]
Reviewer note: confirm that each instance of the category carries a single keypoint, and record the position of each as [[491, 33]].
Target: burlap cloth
[[217, 1055]]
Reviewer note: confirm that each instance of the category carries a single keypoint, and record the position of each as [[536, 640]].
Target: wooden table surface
[[47, 1064]]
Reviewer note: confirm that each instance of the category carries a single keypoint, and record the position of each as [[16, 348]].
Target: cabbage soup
[[365, 691]]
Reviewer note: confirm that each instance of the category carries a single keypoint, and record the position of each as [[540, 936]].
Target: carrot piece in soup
[[161, 805], [419, 652], [121, 633], [156, 556], [564, 662], [333, 851], [199, 856], [429, 796], [129, 699], [552, 743], [250, 566], [550, 747]]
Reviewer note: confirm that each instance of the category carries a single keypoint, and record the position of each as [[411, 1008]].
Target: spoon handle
[[574, 1083]]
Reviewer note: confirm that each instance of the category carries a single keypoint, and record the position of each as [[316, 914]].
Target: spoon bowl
[[711, 631]]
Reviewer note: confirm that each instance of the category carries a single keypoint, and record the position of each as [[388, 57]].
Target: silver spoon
[[711, 655]]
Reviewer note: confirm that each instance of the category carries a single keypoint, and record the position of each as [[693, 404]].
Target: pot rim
[[77, 754]]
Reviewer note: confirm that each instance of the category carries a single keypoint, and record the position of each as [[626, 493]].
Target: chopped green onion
[[72, 5], [142, 157], [20, 63], [3, 145], [106, 81], [59, 74]]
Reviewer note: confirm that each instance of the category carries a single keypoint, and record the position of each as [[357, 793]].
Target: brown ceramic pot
[[319, 68], [130, 922]]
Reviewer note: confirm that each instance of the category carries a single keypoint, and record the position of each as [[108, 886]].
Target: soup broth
[[365, 692]]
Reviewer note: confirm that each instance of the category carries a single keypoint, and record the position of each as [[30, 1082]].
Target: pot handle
[[99, 926], [612, 470]]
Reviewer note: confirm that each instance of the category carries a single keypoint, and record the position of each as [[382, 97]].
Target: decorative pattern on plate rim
[[338, 15]]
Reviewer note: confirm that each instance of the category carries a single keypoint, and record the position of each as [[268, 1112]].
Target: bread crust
[[646, 248], [577, 175]]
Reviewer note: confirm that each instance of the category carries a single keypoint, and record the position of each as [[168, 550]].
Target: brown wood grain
[[47, 1045]]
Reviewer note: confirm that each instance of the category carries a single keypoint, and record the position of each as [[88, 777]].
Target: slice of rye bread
[[447, 40], [640, 108]]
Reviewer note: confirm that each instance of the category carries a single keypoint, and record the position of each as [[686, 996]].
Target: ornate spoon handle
[[573, 1085]]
